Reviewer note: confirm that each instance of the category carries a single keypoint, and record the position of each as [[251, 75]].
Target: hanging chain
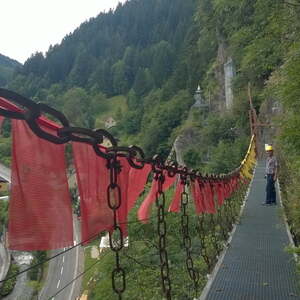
[[230, 215], [162, 232], [214, 237], [221, 216], [220, 219], [202, 237], [116, 242], [187, 242]]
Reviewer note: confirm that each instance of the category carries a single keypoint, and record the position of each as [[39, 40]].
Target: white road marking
[[76, 264], [58, 284], [63, 259], [62, 268]]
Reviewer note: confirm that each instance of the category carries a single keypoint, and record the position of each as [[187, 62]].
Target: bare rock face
[[181, 143], [270, 110], [229, 73], [219, 99], [223, 72], [179, 146]]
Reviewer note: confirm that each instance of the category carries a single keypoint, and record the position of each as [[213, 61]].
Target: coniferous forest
[[7, 67], [141, 65]]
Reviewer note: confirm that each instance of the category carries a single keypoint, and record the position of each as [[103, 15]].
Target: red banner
[[123, 182], [137, 181], [176, 202], [93, 179], [209, 198], [198, 197], [219, 188], [144, 210], [40, 214]]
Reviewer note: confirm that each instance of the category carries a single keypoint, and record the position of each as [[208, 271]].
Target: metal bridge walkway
[[256, 266]]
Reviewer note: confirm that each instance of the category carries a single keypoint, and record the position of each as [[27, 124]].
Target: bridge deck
[[256, 266]]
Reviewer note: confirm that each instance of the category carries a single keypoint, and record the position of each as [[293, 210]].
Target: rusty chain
[[114, 199], [203, 239], [160, 201], [186, 239]]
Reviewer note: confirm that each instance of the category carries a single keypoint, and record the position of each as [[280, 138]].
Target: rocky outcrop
[[267, 129], [180, 145]]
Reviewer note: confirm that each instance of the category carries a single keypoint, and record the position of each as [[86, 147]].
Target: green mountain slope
[[144, 50], [7, 67], [154, 53], [141, 65]]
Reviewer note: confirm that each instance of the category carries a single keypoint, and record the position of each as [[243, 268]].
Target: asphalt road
[[62, 270], [21, 291]]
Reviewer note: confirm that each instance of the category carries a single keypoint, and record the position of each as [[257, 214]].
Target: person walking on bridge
[[271, 175]]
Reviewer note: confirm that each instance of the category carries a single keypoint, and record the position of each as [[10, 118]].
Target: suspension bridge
[[249, 263], [256, 264]]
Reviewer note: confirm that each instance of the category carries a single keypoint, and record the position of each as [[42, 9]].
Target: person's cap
[[268, 148]]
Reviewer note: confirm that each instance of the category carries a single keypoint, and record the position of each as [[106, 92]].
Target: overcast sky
[[28, 26]]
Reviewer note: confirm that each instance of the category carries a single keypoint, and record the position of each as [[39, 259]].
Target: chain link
[[223, 226], [116, 240], [201, 232], [160, 202], [230, 214], [187, 242], [215, 240]]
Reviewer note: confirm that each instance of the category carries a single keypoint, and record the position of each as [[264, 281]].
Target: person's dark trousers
[[270, 189]]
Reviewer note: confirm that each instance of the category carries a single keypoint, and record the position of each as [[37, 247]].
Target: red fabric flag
[[137, 181], [175, 204], [123, 178], [236, 182], [92, 179], [40, 214], [209, 198], [231, 186], [220, 192], [198, 196], [144, 210]]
